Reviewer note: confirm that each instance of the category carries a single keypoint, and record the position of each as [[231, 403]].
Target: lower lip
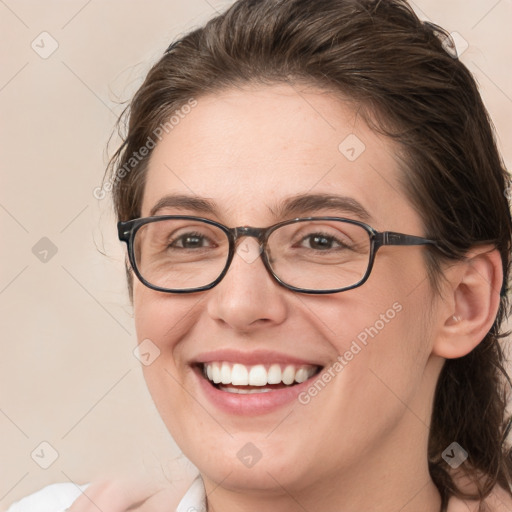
[[250, 404]]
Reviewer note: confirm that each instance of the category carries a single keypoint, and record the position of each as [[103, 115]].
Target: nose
[[248, 296]]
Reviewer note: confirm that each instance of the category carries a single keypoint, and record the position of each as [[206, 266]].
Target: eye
[[323, 238], [323, 241], [192, 240]]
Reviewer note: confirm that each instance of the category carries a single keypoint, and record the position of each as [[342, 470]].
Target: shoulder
[[52, 498], [116, 493], [499, 500]]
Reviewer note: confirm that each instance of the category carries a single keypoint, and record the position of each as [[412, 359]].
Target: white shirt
[[59, 497]]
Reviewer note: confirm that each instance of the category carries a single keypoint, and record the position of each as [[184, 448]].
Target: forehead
[[248, 150]]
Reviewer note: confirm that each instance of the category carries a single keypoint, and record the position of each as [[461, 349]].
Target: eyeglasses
[[318, 255]]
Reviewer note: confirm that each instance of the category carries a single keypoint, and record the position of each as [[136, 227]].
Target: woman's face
[[248, 151]]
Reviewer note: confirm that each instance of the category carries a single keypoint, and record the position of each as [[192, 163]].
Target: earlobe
[[472, 303]]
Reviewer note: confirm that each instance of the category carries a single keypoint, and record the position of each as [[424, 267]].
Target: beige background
[[68, 376]]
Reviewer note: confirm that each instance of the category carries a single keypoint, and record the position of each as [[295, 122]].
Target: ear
[[470, 302]]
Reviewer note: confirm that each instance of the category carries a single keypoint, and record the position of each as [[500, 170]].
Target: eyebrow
[[292, 206]]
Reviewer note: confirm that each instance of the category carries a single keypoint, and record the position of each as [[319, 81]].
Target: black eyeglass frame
[[128, 229]]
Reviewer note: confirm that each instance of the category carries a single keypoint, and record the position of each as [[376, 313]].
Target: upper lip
[[251, 358]]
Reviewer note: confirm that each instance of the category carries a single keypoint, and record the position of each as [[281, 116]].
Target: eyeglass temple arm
[[392, 238]]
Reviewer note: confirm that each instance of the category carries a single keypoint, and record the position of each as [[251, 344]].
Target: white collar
[[195, 498]]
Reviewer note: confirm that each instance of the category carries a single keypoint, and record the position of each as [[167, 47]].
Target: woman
[[319, 243]]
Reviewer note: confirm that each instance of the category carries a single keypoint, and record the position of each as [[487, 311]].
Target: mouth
[[241, 383], [241, 379]]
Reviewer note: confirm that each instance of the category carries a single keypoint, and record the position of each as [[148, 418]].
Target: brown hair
[[408, 85]]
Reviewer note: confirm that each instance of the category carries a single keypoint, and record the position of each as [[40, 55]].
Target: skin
[[360, 444]]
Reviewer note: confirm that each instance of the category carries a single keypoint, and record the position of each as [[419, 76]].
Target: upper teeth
[[257, 375]]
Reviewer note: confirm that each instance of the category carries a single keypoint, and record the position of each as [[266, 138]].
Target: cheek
[[168, 321], [163, 318], [162, 321], [383, 350], [382, 337]]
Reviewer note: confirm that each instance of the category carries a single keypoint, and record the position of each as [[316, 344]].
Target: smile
[[260, 378], [242, 383]]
